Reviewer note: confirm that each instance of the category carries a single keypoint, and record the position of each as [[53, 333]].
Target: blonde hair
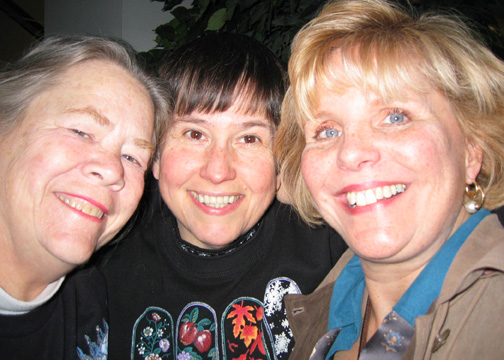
[[385, 49]]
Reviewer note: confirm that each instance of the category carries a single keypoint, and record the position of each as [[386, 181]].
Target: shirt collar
[[12, 306], [345, 308]]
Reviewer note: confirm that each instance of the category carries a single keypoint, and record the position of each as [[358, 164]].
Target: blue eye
[[329, 133], [395, 118], [130, 159], [80, 133]]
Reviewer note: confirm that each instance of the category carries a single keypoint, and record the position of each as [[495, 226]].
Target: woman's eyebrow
[[103, 120], [144, 144], [99, 117], [253, 123]]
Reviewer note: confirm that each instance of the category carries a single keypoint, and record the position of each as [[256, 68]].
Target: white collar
[[12, 306]]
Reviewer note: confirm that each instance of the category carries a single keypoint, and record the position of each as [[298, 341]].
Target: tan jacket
[[466, 321]]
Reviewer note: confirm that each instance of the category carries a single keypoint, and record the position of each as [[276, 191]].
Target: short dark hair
[[213, 72]]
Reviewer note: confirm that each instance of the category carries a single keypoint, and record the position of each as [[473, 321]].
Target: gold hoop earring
[[474, 197]]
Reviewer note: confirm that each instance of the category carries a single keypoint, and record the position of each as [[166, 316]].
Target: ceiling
[[15, 38]]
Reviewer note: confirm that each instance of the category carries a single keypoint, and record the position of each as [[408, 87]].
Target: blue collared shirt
[[345, 309]]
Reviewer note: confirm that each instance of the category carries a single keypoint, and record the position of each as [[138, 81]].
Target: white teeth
[[352, 198], [215, 201], [379, 193], [361, 199], [387, 193], [371, 196], [82, 206]]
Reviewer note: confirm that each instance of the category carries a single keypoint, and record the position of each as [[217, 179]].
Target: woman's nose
[[107, 169], [357, 150], [218, 166]]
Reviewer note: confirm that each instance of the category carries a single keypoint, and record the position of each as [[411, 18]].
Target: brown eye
[[250, 139], [195, 135]]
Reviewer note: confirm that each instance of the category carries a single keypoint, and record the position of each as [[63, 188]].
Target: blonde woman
[[392, 133]]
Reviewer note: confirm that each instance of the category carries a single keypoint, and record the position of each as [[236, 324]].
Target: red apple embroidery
[[203, 341], [188, 333]]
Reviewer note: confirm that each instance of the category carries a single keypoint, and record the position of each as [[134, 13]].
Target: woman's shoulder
[[485, 245]]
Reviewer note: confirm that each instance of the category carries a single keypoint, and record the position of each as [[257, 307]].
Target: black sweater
[[56, 329], [166, 300]]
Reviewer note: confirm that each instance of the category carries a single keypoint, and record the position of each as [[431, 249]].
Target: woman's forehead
[[343, 69]]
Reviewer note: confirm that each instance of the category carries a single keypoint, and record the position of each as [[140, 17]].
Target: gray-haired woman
[[79, 121]]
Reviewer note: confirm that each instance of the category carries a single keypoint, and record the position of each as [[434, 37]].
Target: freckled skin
[[212, 154], [39, 233], [427, 151]]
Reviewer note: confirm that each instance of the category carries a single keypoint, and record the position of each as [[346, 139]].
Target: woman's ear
[[474, 160]]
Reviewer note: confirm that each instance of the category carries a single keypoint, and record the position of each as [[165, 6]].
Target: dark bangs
[[219, 70]]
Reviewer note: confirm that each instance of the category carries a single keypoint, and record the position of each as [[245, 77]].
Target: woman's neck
[[12, 306], [25, 278], [386, 284]]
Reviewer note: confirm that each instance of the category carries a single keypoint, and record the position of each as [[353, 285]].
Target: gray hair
[[43, 65]]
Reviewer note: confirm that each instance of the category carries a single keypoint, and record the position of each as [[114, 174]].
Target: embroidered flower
[[184, 356], [148, 331], [156, 317], [164, 344], [141, 348], [153, 357]]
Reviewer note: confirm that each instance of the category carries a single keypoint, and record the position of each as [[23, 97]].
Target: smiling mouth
[[371, 196], [81, 205], [217, 202]]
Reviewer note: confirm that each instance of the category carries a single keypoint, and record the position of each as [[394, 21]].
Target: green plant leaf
[[217, 20], [275, 22]]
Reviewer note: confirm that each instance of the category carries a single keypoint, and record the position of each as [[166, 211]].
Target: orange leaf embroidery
[[241, 313], [248, 334], [259, 312]]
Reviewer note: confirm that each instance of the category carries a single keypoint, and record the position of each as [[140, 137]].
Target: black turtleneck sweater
[[170, 300]]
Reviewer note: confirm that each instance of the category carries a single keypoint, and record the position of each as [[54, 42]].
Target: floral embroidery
[[153, 357], [154, 329], [250, 329], [184, 356], [99, 349]]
